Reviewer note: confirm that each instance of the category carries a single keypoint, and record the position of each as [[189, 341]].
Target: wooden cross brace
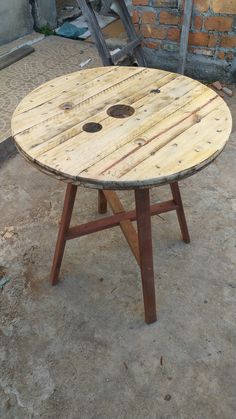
[[140, 241]]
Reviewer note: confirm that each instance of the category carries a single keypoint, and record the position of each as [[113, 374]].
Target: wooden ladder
[[134, 44]]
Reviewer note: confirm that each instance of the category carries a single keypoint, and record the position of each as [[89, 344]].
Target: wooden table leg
[[63, 229], [180, 211], [142, 200], [102, 203]]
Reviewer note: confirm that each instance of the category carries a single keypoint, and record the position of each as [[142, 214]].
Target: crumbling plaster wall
[[44, 12], [15, 19], [20, 17]]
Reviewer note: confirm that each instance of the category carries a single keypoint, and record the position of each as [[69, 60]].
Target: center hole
[[92, 127], [120, 111]]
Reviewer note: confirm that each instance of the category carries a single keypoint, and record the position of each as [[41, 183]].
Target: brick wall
[[212, 38]]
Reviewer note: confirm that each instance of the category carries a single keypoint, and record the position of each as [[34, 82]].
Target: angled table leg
[[63, 229], [180, 211], [142, 200], [102, 203]]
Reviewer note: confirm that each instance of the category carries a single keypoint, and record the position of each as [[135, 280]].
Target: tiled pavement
[[53, 57]]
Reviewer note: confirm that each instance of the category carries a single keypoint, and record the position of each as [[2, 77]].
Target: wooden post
[[142, 200], [102, 203], [184, 36], [180, 211], [63, 229], [95, 30]]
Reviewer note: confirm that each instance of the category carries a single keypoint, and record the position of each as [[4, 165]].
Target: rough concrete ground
[[81, 350]]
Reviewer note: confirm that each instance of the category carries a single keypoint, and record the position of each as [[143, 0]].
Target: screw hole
[[66, 106]]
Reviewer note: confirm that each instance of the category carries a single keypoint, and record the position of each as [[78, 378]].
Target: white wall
[[15, 19]]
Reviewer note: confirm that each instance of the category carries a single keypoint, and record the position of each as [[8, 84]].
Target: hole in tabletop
[[66, 106], [140, 141], [120, 111], [92, 127]]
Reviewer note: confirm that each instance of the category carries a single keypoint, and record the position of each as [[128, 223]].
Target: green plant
[[46, 30]]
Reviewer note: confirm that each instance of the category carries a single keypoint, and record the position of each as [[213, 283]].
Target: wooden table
[[120, 128]]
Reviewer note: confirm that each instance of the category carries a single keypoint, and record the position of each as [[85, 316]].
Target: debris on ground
[[15, 56], [68, 13], [217, 85], [78, 28], [82, 65], [3, 282], [227, 91], [221, 89], [8, 232], [69, 30], [3, 278]]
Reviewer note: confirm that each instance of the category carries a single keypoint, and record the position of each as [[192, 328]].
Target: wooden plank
[[127, 49], [96, 32], [95, 147], [126, 226], [171, 125], [115, 220], [53, 107], [69, 128], [176, 127], [129, 28], [180, 154], [184, 36], [15, 56], [56, 88], [142, 199], [133, 47]]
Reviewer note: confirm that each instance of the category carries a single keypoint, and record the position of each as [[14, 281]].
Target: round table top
[[121, 127]]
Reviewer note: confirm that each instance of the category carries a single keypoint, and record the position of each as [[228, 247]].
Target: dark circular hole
[[66, 106], [120, 111], [92, 127], [155, 91]]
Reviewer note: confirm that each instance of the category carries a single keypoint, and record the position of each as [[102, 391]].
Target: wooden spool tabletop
[[166, 127]]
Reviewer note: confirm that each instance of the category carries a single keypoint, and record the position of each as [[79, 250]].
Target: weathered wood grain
[[15, 56], [178, 127]]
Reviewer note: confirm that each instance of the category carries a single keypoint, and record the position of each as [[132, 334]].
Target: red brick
[[173, 34], [212, 42], [228, 41], [135, 17], [223, 6], [169, 18], [229, 56], [221, 55], [152, 45], [198, 23], [203, 51], [164, 3], [149, 31], [140, 2], [202, 5], [218, 23], [202, 39], [148, 17], [137, 29]]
